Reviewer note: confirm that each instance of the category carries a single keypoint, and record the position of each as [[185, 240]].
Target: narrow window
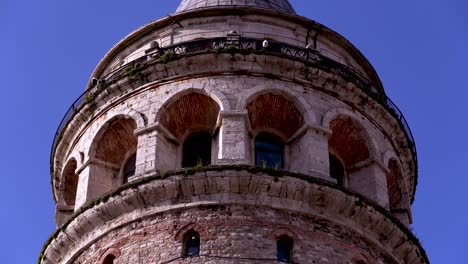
[[192, 243], [196, 150], [269, 150], [71, 183], [129, 169], [284, 246], [359, 259], [337, 170], [109, 259]]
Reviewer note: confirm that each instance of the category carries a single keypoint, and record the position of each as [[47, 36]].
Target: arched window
[[70, 183], [284, 246], [349, 145], [110, 148], [109, 259], [197, 150], [269, 150], [129, 169], [191, 243], [395, 195], [359, 259], [337, 170]]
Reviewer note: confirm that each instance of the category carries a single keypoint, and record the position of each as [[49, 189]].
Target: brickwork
[[233, 234]]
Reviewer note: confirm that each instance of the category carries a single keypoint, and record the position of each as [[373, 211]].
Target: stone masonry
[[235, 70]]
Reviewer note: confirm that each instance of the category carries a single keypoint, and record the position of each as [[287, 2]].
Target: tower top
[[277, 5]]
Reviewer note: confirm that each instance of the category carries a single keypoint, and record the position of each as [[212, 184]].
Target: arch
[[111, 253], [278, 232], [359, 259], [109, 259], [189, 111], [200, 229], [388, 155], [125, 112], [114, 139], [269, 111], [111, 148], [69, 184], [342, 112], [299, 102], [396, 178], [394, 185], [191, 244], [348, 141]]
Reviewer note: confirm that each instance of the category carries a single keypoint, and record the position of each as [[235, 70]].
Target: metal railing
[[234, 44]]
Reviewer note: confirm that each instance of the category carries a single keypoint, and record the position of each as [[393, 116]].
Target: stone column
[[370, 179], [95, 178], [233, 139], [156, 150], [146, 152], [308, 152]]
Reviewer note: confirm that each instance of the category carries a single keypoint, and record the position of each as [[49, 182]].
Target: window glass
[[129, 169], [192, 243], [284, 249], [337, 170], [197, 150], [269, 151]]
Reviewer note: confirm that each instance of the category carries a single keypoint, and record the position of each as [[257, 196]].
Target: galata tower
[[233, 131]]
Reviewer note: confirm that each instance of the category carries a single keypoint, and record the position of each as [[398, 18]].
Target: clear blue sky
[[419, 48]]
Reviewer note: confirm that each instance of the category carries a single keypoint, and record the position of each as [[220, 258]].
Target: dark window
[[269, 151], [109, 259], [284, 247], [337, 170], [192, 243], [197, 150], [129, 169]]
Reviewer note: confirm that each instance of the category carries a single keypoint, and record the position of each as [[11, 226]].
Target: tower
[[233, 132]]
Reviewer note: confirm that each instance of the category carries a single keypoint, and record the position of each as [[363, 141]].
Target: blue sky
[[419, 48]]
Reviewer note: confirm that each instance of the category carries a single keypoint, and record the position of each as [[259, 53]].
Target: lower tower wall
[[232, 234], [239, 212]]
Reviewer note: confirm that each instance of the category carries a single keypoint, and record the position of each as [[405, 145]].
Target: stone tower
[[233, 131]]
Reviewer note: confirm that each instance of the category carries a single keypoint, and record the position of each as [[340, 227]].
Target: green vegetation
[[168, 56], [89, 98]]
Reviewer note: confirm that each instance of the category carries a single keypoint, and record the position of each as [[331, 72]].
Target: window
[[70, 179], [337, 170], [192, 243], [284, 246], [109, 259], [269, 150], [129, 169], [197, 150], [359, 259]]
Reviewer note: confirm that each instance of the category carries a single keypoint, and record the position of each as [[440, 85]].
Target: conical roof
[[277, 5]]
